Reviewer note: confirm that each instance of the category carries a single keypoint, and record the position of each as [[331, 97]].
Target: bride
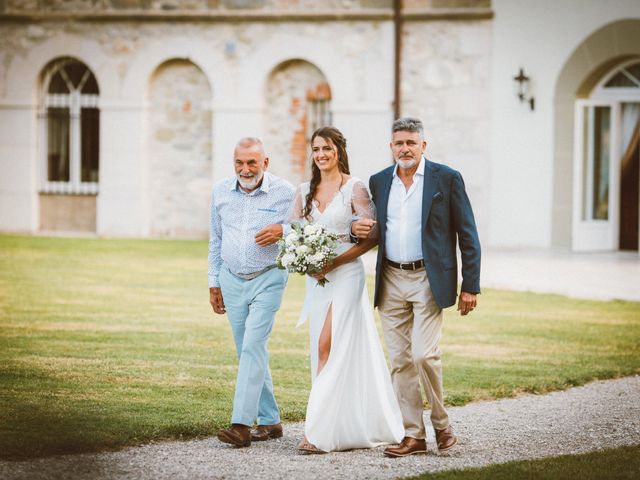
[[352, 403]]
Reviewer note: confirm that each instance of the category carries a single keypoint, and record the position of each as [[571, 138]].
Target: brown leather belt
[[406, 266]]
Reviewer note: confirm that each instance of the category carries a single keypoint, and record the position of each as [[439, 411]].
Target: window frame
[[75, 101], [601, 92]]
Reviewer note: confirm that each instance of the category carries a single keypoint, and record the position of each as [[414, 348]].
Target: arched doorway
[[607, 161], [586, 70], [179, 150], [70, 146], [298, 100]]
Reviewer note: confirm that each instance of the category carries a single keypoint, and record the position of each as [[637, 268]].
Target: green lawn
[[619, 463], [105, 343]]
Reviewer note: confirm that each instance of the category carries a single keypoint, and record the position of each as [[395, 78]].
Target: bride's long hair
[[334, 136]]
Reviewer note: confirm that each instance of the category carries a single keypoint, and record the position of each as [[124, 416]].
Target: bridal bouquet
[[306, 249]]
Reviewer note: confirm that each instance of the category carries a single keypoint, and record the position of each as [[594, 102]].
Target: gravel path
[[600, 415]]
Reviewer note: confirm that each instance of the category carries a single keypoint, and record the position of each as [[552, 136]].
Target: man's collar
[[264, 186], [420, 171], [266, 182]]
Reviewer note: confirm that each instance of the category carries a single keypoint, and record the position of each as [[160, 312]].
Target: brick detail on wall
[[291, 88]]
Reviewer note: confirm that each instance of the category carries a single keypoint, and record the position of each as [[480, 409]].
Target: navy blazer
[[446, 216]]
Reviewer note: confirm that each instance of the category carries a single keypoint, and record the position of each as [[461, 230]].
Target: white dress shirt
[[404, 218]]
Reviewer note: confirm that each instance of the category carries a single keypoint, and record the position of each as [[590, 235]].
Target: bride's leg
[[324, 348], [324, 343]]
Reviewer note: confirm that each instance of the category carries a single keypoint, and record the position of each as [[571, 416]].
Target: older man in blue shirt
[[247, 216]]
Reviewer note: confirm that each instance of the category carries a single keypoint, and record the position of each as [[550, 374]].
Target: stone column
[[122, 208], [18, 161]]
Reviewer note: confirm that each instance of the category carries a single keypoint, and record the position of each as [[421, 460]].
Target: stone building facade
[[134, 148]]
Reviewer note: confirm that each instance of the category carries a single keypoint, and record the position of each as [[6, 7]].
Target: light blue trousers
[[251, 308]]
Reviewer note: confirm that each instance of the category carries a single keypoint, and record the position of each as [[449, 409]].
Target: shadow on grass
[[55, 419]]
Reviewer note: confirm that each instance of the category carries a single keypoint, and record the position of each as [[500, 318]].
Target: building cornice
[[426, 14], [237, 16]]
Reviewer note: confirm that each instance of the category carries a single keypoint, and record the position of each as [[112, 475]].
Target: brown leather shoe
[[408, 446], [266, 432], [237, 435], [445, 439]]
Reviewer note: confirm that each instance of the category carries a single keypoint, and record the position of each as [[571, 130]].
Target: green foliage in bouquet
[[307, 249]]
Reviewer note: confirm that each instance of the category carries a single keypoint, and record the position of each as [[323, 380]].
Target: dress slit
[[329, 311]]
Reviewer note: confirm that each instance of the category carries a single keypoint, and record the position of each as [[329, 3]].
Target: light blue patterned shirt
[[236, 217]]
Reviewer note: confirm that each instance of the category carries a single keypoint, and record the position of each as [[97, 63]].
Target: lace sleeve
[[363, 206], [297, 207]]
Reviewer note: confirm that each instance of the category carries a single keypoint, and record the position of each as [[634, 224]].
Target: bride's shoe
[[305, 447]]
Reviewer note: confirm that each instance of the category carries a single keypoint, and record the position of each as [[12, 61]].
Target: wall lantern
[[522, 82]]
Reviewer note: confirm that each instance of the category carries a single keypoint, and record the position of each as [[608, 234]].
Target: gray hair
[[249, 141], [408, 124]]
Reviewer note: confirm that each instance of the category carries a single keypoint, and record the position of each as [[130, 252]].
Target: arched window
[[318, 106], [70, 126], [625, 77], [298, 99]]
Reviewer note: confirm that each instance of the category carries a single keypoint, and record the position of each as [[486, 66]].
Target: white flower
[[291, 238], [302, 249], [310, 230], [287, 259]]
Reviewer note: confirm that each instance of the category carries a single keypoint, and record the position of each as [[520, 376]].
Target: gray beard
[[406, 164], [249, 185]]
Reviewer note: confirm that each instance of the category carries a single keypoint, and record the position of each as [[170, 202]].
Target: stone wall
[[67, 213], [83, 6], [170, 170], [307, 6], [180, 150], [449, 4], [288, 118], [256, 77], [446, 82]]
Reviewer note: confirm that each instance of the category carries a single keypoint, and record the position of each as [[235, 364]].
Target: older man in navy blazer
[[423, 213]]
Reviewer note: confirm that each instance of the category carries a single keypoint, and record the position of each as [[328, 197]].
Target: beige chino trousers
[[412, 327]]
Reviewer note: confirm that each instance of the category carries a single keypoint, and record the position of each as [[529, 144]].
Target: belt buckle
[[402, 266]]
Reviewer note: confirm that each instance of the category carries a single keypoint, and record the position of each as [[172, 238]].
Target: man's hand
[[269, 235], [216, 301], [467, 302], [362, 227]]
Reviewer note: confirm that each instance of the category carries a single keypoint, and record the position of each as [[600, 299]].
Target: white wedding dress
[[352, 403]]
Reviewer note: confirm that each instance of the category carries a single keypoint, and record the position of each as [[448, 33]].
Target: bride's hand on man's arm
[[362, 227]]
